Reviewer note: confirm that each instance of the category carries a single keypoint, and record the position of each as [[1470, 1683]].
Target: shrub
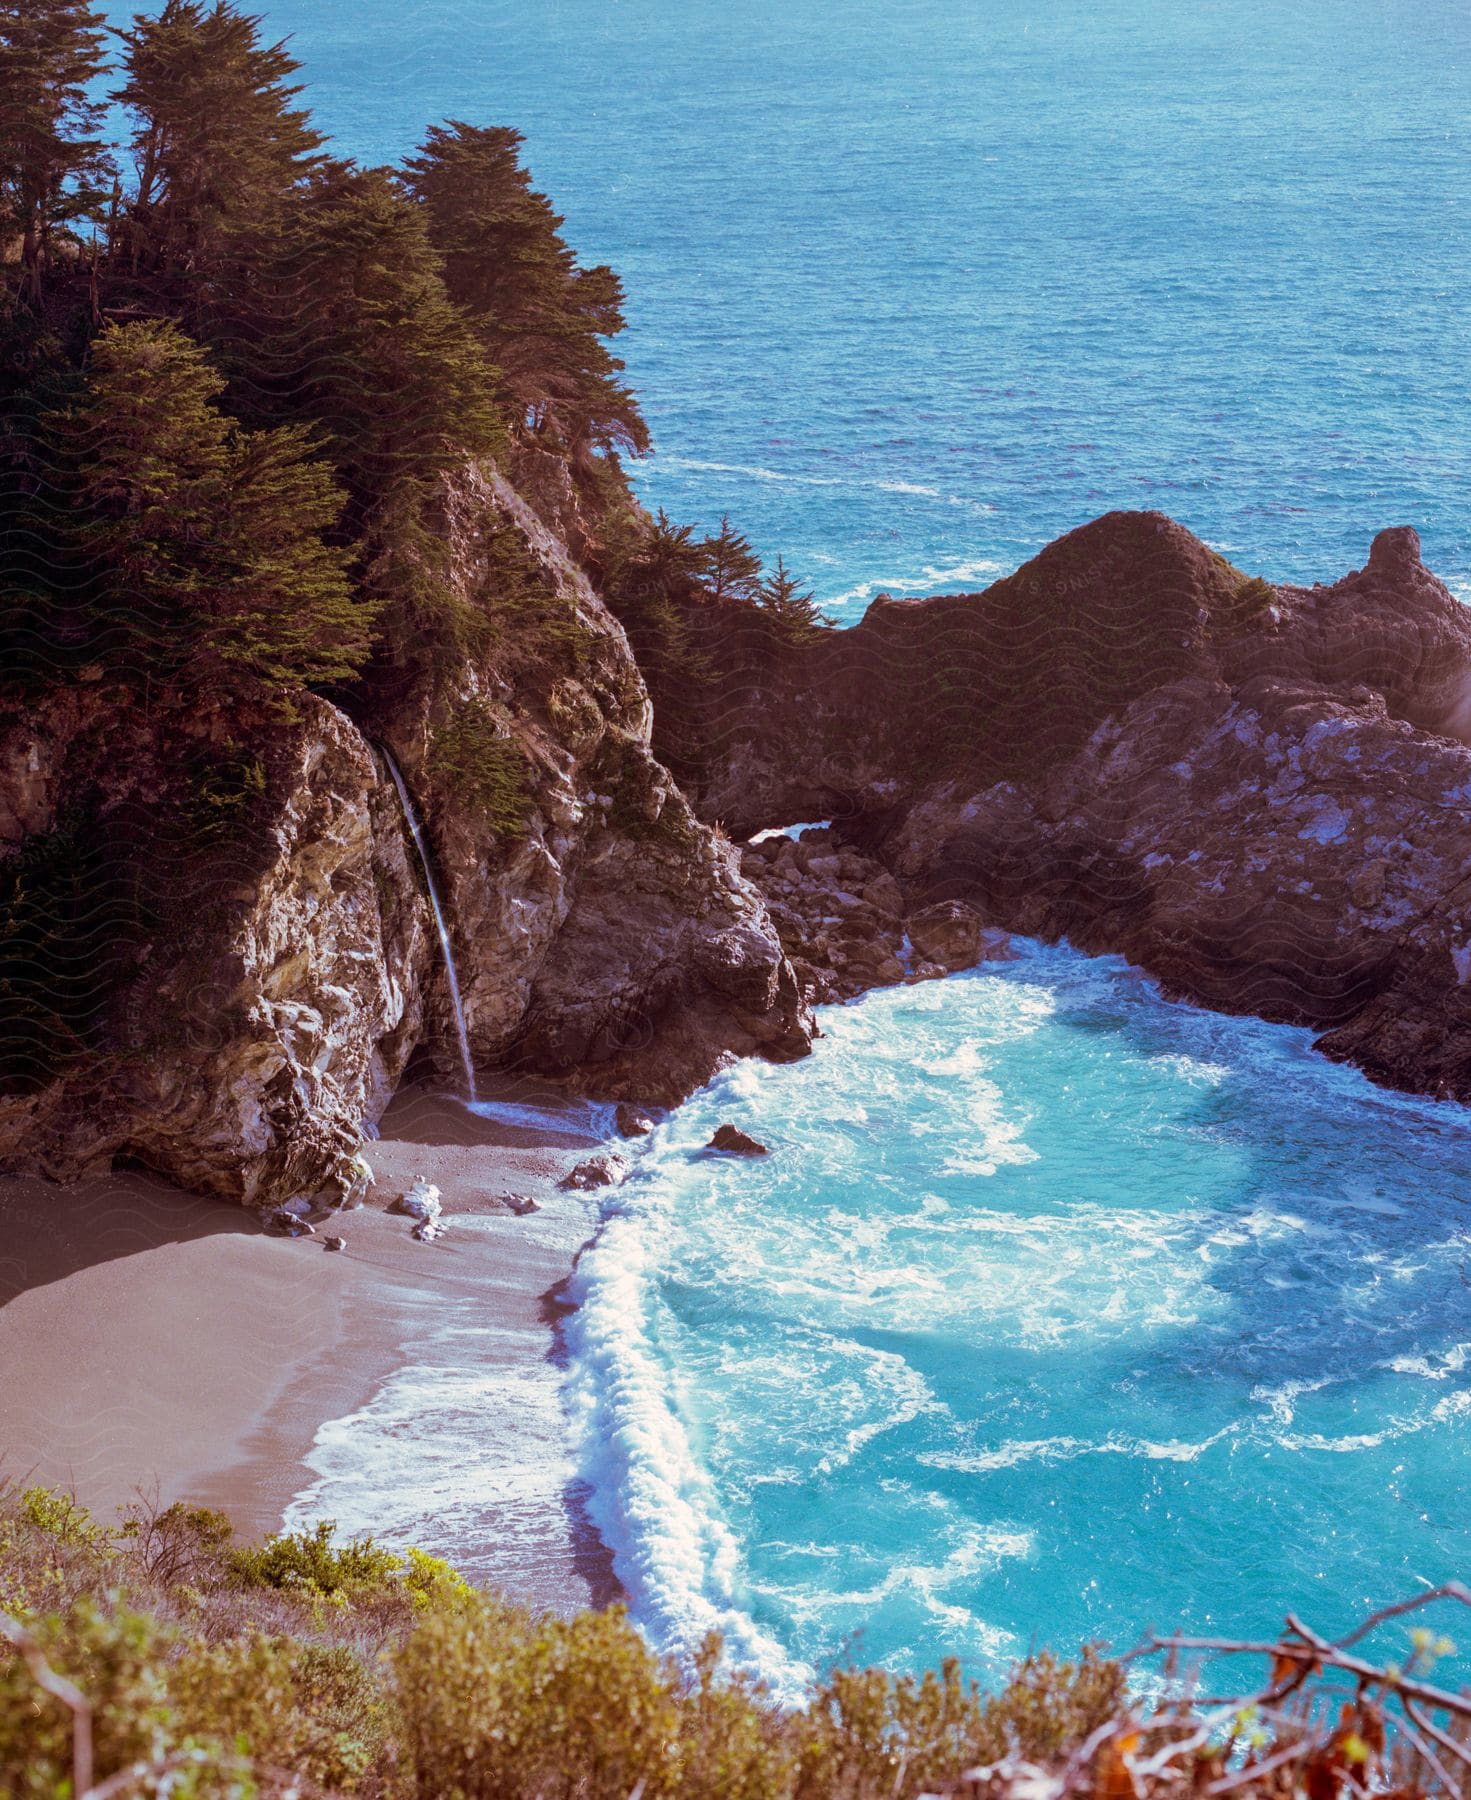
[[309, 1562], [500, 1705], [118, 1660], [316, 1710], [178, 1543], [483, 769]]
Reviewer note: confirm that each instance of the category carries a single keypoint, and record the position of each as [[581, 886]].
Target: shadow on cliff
[[48, 1233]]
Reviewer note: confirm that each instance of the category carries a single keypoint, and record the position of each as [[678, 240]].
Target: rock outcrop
[[602, 932], [1260, 795], [216, 926], [224, 1005]]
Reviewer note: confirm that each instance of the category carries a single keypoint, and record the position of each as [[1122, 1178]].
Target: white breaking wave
[[652, 1500]]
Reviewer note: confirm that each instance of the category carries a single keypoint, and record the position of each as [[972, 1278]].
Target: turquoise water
[[1058, 1311]]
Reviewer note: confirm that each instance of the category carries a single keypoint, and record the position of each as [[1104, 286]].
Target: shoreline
[[159, 1343]]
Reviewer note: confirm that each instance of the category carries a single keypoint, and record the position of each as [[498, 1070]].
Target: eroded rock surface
[[243, 1000], [1258, 794], [232, 1016]]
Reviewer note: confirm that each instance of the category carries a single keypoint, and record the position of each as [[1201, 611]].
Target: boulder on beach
[[735, 1142], [420, 1201], [605, 1170], [334, 1243], [281, 1221], [520, 1204]]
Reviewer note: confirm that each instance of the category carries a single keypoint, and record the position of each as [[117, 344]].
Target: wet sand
[[158, 1341]]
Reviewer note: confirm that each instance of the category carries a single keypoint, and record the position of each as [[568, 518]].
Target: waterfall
[[411, 819]]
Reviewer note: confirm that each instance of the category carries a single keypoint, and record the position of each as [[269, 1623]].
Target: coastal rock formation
[[1260, 795], [217, 947], [602, 932], [224, 1003]]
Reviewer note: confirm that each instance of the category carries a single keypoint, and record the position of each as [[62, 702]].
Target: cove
[[1058, 1311]]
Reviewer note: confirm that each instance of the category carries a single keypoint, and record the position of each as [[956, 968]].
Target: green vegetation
[[238, 1670], [471, 758], [164, 1658]]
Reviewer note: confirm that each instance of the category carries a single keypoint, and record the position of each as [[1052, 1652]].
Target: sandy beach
[[159, 1341]]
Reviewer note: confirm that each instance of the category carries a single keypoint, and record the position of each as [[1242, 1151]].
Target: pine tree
[[218, 147], [54, 169], [542, 317], [732, 570], [796, 612], [201, 547]]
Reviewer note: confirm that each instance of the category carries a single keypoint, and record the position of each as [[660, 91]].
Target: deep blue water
[[1059, 1311], [916, 285]]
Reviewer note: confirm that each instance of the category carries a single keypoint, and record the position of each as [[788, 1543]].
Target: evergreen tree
[[199, 546], [54, 170], [219, 149], [796, 612], [542, 317], [732, 570]]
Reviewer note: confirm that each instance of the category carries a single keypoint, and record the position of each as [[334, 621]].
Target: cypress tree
[[542, 317], [731, 568], [794, 611], [54, 169], [200, 547], [218, 146]]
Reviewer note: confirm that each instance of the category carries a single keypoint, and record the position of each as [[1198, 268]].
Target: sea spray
[[411, 819]]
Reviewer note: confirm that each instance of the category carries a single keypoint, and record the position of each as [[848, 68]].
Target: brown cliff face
[[217, 954], [228, 1002], [1131, 745], [601, 932]]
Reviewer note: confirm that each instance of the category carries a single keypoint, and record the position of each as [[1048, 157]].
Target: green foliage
[[541, 316], [498, 1706], [795, 612], [310, 1562], [178, 1543], [201, 547], [730, 567], [352, 1669], [119, 1659], [318, 1711], [472, 759], [218, 148], [869, 1734], [54, 168]]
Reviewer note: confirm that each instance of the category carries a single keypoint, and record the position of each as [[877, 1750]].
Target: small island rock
[[735, 1142]]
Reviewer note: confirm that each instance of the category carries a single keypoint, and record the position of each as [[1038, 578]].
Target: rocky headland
[[1259, 795]]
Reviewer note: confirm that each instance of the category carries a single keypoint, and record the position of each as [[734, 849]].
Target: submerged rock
[[735, 1142]]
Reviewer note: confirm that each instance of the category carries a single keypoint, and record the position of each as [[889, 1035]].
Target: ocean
[[1059, 1311]]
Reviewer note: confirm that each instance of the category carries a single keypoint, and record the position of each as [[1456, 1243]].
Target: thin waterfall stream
[[411, 818]]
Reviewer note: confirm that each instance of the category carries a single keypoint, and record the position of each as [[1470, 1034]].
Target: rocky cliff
[[216, 952], [1260, 795]]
